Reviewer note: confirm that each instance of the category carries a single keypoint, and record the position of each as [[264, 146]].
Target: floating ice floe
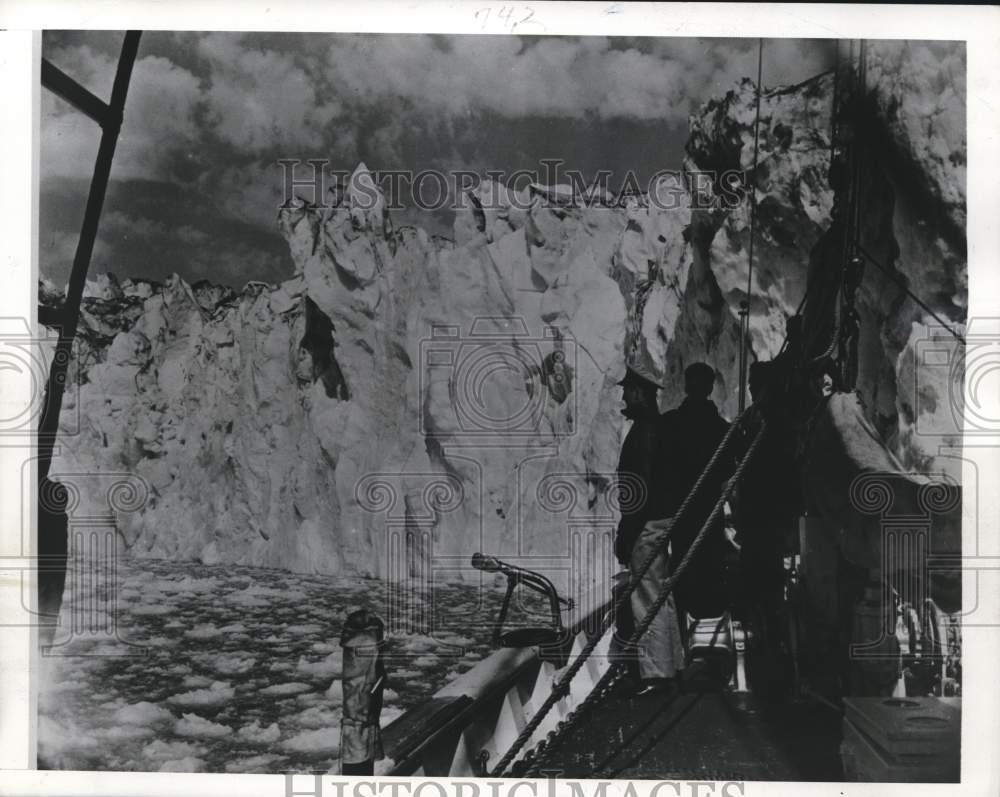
[[203, 631], [303, 629], [318, 717], [186, 584], [293, 688], [62, 736], [142, 713], [217, 694], [188, 764], [330, 667], [125, 733], [254, 733], [118, 712], [455, 639], [227, 663], [247, 601], [156, 610], [200, 728], [160, 751], [324, 740], [264, 763]]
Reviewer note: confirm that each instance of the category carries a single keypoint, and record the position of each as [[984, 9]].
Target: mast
[[744, 358]]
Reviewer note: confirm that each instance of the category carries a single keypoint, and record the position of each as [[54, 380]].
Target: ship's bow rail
[[468, 725]]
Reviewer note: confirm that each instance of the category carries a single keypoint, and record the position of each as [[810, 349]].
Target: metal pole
[[49, 425], [745, 327], [52, 541]]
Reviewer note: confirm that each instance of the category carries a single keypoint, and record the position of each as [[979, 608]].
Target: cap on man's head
[[699, 380], [633, 377]]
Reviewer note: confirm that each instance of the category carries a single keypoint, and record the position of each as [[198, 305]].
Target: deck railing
[[468, 724]]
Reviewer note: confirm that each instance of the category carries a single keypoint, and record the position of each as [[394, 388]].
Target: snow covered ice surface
[[236, 669]]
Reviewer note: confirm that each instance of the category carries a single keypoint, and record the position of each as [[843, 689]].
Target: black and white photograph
[[503, 404]]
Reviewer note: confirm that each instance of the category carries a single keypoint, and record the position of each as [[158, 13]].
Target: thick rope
[[668, 584], [905, 288], [561, 688], [600, 690], [604, 684]]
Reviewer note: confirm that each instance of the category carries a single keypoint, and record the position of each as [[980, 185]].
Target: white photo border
[[20, 47]]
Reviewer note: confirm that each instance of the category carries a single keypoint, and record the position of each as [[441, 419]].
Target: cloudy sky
[[196, 182]]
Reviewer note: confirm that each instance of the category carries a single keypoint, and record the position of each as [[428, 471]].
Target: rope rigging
[[854, 92], [744, 367], [904, 287], [561, 687], [850, 103], [602, 687]]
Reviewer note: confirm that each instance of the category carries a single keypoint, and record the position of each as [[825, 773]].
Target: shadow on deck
[[711, 735]]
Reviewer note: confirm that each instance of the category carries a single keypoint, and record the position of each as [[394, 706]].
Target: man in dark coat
[[639, 466], [690, 434], [767, 498], [661, 653]]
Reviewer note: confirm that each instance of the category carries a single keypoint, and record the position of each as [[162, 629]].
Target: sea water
[[225, 668]]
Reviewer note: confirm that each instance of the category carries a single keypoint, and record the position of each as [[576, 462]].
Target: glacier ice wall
[[379, 394]]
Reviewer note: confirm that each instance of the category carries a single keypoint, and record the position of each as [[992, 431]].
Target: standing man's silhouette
[[640, 469], [690, 435]]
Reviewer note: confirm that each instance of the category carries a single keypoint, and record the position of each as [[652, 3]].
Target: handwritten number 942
[[506, 16]]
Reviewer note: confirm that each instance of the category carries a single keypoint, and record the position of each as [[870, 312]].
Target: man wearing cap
[[640, 474]]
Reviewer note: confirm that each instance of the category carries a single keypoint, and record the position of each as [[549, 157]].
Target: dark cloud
[[154, 229], [196, 183]]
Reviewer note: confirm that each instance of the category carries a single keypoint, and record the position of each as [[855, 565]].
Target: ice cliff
[[461, 394]]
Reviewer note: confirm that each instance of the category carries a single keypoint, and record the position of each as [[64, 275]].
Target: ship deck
[[688, 734]]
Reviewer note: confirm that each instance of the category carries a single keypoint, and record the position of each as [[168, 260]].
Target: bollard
[[363, 682]]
